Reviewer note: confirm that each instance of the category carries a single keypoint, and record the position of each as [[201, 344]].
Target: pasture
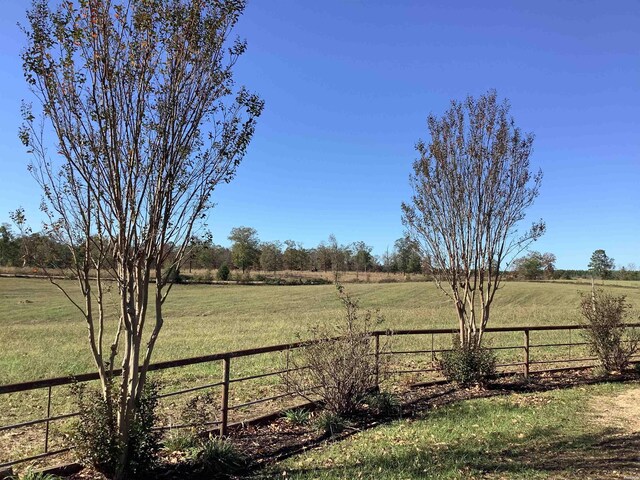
[[43, 335]]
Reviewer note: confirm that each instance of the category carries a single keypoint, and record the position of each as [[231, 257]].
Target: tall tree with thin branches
[[472, 184], [140, 97]]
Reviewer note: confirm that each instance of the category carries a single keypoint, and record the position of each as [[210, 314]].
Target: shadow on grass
[[545, 452]]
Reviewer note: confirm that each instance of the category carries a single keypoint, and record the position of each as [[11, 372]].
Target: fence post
[[226, 363], [526, 354], [46, 431], [377, 354]]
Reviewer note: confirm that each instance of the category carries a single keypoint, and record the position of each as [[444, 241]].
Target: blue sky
[[348, 86]]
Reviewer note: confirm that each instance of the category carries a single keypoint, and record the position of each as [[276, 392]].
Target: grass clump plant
[[181, 441], [330, 424], [219, 458], [383, 404], [297, 416]]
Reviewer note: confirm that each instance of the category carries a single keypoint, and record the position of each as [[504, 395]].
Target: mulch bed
[[270, 442]]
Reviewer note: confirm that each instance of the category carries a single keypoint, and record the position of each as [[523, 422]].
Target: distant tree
[[220, 255], [245, 251], [323, 254], [529, 267], [535, 265], [271, 257], [407, 256], [629, 272], [9, 246], [295, 256], [601, 265], [549, 264], [148, 121], [339, 256], [200, 253], [471, 187], [362, 256], [388, 261]]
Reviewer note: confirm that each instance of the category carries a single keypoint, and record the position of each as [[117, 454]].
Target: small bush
[[608, 338], [337, 365], [330, 424], [219, 458], [96, 435], [468, 364], [223, 273], [383, 404], [205, 277], [173, 275], [296, 281], [298, 416]]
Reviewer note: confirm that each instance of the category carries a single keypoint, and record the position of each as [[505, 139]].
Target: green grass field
[[43, 336], [529, 436]]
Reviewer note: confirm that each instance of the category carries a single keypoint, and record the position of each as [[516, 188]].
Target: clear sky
[[348, 86]]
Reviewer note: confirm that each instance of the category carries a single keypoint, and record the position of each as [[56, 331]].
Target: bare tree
[[471, 187], [141, 99]]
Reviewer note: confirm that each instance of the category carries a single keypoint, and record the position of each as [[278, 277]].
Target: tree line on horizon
[[247, 252]]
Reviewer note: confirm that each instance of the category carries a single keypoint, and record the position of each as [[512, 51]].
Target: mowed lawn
[[526, 436], [43, 335]]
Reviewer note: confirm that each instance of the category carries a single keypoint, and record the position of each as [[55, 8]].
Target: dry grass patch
[[620, 411]]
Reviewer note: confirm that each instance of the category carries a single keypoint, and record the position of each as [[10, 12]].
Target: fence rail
[[525, 366]]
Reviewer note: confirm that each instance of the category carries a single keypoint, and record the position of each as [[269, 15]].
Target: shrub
[[205, 277], [223, 273], [608, 338], [199, 411], [96, 435], [173, 275], [468, 364], [181, 441], [330, 424], [383, 404], [337, 364], [298, 416], [219, 458]]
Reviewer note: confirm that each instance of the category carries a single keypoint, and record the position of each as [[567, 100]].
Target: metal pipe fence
[[526, 364]]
